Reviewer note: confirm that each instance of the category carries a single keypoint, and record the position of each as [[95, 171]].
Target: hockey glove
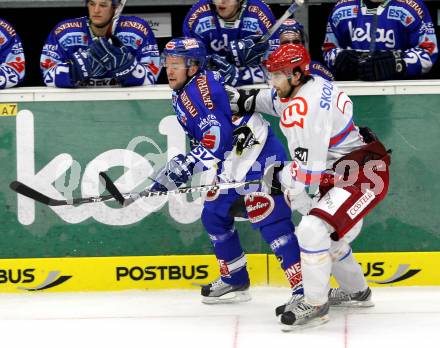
[[116, 58], [175, 173], [248, 52], [347, 65], [242, 100], [380, 66], [229, 71], [83, 66]]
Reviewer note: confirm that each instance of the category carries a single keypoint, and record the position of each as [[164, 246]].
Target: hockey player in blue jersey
[[230, 30], [404, 44], [12, 62], [241, 152], [292, 31], [98, 51]]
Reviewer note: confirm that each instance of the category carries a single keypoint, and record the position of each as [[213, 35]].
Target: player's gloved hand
[[380, 66], [347, 65], [85, 66], [248, 51], [175, 173], [116, 58], [299, 200], [242, 101], [229, 71]]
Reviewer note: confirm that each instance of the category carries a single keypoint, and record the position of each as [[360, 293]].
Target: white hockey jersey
[[318, 125]]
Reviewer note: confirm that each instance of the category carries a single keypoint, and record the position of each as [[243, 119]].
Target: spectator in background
[[100, 50], [292, 31], [12, 62], [230, 29], [403, 45]]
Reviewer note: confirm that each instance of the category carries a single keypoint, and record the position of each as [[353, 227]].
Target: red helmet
[[287, 57]]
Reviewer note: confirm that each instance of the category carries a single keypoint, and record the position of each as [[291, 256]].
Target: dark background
[[34, 24]]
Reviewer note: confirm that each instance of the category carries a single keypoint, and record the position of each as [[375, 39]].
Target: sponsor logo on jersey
[[73, 39], [135, 25], [197, 13], [294, 275], [259, 205], [414, 5], [294, 113], [187, 103], [361, 204], [130, 39], [208, 121], [68, 25], [27, 275], [224, 270], [251, 24], [326, 96], [3, 38], [261, 15], [202, 85], [172, 272], [360, 34], [18, 65], [345, 12], [211, 138], [7, 27], [302, 154], [378, 269], [401, 14], [204, 25], [428, 46]]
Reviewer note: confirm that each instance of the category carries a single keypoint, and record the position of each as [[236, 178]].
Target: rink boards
[[179, 272]]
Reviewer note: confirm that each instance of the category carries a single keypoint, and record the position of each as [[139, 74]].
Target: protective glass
[[173, 63], [277, 77]]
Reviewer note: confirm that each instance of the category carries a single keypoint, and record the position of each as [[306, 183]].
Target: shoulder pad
[[345, 2], [7, 28], [261, 11], [74, 23], [196, 11], [412, 5], [134, 23]]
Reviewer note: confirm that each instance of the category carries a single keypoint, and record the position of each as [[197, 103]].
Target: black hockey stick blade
[[111, 187], [29, 192]]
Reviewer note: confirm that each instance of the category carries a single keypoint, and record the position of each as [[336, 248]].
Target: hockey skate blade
[[231, 297], [353, 304], [310, 324]]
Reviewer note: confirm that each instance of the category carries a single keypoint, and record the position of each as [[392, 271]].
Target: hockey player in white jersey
[[348, 164]]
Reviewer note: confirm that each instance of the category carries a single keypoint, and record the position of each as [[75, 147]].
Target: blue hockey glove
[[229, 71], [116, 58], [387, 65], [85, 66], [175, 173], [248, 51]]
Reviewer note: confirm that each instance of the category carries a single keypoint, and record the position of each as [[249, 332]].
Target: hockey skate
[[304, 315], [339, 298], [292, 301], [220, 292]]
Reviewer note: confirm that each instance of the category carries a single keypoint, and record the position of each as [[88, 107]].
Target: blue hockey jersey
[[203, 23], [203, 110], [403, 25], [12, 62], [72, 35]]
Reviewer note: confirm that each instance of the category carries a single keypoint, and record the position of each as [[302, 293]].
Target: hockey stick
[[290, 11], [116, 16], [29, 192]]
